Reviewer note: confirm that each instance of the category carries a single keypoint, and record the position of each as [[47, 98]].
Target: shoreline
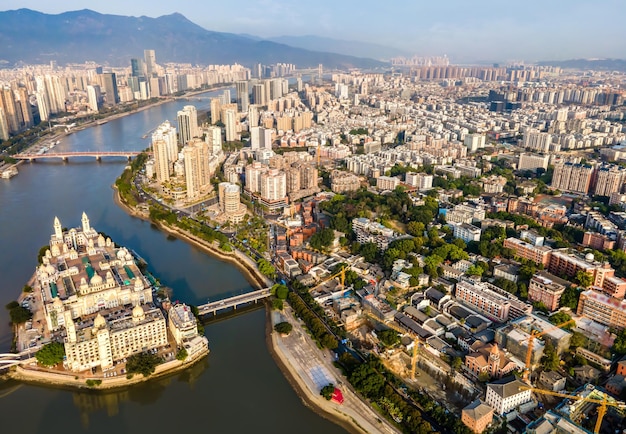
[[114, 116], [282, 362]]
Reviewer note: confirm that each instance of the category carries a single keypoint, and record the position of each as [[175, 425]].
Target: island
[[96, 320]]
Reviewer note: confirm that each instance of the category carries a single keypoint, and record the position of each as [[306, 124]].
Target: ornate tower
[[86, 226], [58, 230], [494, 360]]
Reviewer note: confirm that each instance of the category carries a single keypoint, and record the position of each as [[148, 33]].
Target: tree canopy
[[142, 363], [323, 239], [50, 354], [283, 327]]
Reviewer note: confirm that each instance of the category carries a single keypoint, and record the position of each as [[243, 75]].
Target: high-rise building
[[7, 102], [162, 165], [230, 126], [572, 177], [24, 109], [253, 176], [167, 133], [197, 169], [253, 115], [273, 185], [216, 109], [243, 96], [609, 180], [255, 137], [258, 94], [93, 97], [150, 62], [4, 125], [136, 67], [187, 124], [532, 161], [214, 139], [109, 84]]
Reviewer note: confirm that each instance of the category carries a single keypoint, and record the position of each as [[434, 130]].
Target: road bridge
[[237, 300], [98, 155]]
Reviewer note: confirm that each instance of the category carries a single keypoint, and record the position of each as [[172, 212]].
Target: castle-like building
[[95, 293]]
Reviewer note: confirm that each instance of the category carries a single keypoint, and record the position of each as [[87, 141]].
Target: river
[[237, 389]]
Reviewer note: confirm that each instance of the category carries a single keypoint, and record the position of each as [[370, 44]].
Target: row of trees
[[312, 322], [373, 381]]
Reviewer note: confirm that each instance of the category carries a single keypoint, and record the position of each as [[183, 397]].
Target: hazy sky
[[489, 30]]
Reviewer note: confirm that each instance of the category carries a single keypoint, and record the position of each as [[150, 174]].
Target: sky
[[465, 31]]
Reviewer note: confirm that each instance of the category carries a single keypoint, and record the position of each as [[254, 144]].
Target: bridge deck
[[234, 301]]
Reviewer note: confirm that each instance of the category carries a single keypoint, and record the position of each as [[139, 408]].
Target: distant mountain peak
[[77, 36]]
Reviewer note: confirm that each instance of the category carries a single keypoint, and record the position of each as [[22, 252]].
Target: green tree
[[475, 270], [389, 338], [619, 344], [181, 354], [283, 327], [578, 340], [50, 354], [560, 318], [143, 363], [570, 297], [368, 251], [322, 239], [456, 363], [277, 304], [19, 315], [327, 391], [550, 360], [583, 278]]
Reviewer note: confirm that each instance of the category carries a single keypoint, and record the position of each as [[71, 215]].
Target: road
[[309, 364]]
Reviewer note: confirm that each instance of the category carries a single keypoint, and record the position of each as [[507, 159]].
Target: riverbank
[[239, 259], [354, 415], [54, 137], [32, 374]]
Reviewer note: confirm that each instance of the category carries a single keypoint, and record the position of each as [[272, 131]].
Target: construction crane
[[342, 278], [535, 334], [602, 403], [416, 340]]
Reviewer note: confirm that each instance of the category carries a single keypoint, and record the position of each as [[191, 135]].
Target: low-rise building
[[602, 308], [506, 395], [466, 232], [477, 416], [524, 250], [491, 300], [507, 271], [547, 289], [488, 360]]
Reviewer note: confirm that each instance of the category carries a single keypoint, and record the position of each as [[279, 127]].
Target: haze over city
[[485, 31]]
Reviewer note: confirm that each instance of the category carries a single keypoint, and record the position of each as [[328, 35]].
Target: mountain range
[[74, 37]]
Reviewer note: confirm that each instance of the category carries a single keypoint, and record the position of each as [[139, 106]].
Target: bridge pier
[[64, 159], [98, 158]]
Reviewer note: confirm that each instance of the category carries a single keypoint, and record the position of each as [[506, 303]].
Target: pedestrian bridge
[[12, 359], [237, 300], [98, 155]]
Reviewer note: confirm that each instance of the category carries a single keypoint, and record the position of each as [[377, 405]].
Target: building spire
[[58, 230], [86, 226]]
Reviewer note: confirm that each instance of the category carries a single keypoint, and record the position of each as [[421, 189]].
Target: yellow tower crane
[[342, 278], [535, 334], [602, 403]]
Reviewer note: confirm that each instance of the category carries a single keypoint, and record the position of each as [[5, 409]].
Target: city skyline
[[466, 33]]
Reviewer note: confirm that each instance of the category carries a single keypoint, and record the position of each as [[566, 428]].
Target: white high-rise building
[[253, 176], [255, 137], [532, 161], [167, 133], [93, 96], [187, 124], [273, 185], [243, 96], [214, 140], [230, 126], [197, 169], [253, 115], [474, 142], [162, 164]]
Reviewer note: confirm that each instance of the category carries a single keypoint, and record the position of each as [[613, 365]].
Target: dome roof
[[99, 322], [589, 257], [96, 280], [138, 311]]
